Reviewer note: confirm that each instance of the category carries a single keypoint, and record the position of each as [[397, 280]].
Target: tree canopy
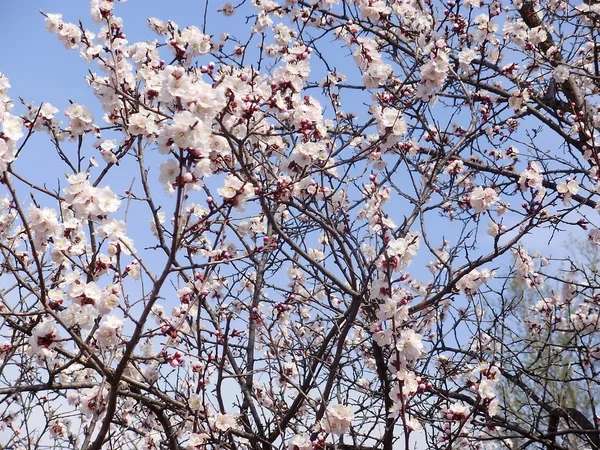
[[304, 225]]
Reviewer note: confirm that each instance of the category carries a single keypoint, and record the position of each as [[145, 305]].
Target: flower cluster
[[337, 420], [12, 126], [87, 201]]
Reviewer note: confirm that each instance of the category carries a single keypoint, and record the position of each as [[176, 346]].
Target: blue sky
[[38, 66]]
